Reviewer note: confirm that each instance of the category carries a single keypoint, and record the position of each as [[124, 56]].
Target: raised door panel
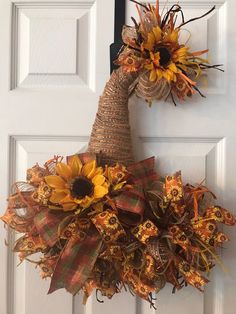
[[57, 44]]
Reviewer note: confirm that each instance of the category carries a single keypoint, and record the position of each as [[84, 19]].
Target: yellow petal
[[69, 207], [57, 196], [172, 37], [169, 75], [157, 56], [67, 199], [100, 191], [55, 182], [149, 66], [98, 180], [63, 170], [149, 45], [89, 169], [153, 75], [86, 202], [157, 33], [159, 73], [152, 56], [75, 165], [173, 67], [78, 200], [99, 170], [182, 51]]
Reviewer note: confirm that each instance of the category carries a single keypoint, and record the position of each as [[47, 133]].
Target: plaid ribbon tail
[[76, 263]]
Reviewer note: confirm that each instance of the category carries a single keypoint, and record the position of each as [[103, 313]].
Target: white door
[[54, 61]]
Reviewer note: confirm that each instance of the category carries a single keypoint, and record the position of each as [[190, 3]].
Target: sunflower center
[[165, 55], [81, 187]]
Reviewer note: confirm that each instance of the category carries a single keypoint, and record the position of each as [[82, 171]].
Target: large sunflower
[[77, 185]]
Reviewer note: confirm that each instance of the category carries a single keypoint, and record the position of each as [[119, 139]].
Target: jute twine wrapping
[[111, 135]]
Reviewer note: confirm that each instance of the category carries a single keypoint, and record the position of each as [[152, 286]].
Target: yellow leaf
[[119, 186], [55, 182]]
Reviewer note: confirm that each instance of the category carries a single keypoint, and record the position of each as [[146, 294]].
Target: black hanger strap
[[118, 25]]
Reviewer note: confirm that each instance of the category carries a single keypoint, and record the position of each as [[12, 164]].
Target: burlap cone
[[111, 136]]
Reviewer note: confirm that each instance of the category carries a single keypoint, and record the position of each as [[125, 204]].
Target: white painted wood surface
[[54, 62]]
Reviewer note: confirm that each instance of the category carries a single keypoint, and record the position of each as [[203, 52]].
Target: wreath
[[99, 220]]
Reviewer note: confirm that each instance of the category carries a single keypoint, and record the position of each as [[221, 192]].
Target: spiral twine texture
[[111, 135]]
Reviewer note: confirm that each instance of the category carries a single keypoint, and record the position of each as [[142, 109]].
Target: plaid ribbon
[[132, 202], [76, 262], [47, 224], [143, 172]]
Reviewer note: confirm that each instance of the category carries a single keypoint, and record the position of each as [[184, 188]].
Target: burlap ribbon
[[111, 136]]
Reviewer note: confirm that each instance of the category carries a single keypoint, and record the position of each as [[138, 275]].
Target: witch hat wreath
[[102, 222]]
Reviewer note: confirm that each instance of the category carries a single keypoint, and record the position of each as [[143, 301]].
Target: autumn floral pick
[[152, 47]]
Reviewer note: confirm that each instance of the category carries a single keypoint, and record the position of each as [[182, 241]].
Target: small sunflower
[[175, 193], [163, 52], [77, 185]]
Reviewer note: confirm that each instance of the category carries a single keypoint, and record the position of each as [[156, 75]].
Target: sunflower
[[175, 193], [77, 185], [163, 53]]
